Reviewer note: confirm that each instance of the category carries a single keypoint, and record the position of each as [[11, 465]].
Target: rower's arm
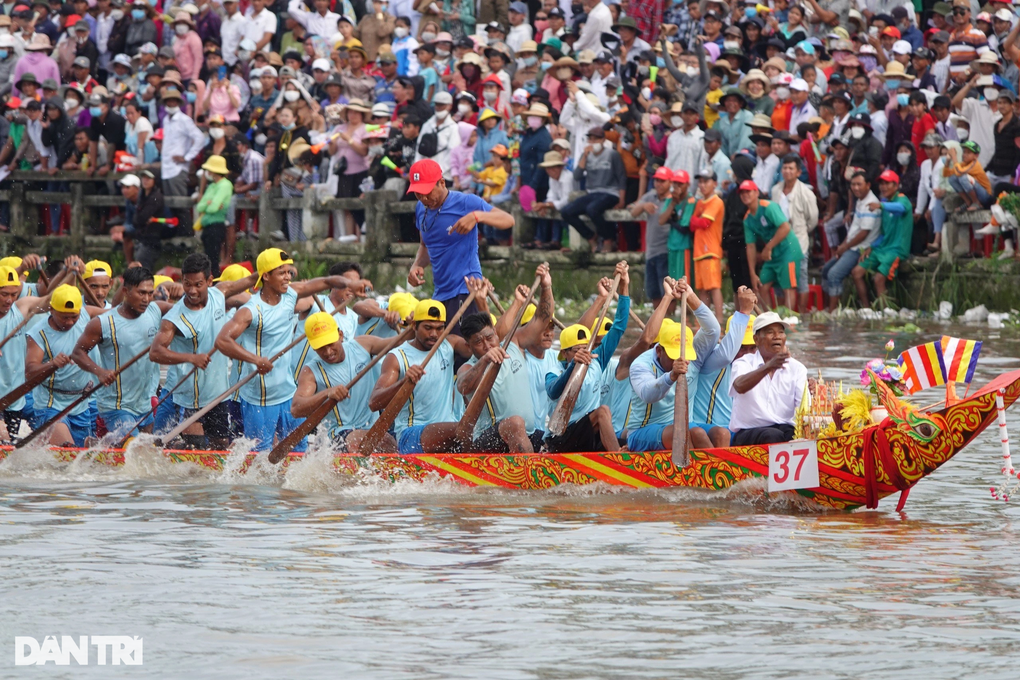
[[160, 351], [388, 384], [93, 312], [533, 330], [723, 354], [164, 306], [708, 337], [555, 384], [373, 344], [92, 336], [306, 398], [232, 288], [646, 386], [226, 341], [648, 335], [470, 375], [591, 315], [460, 346], [367, 309], [317, 285], [34, 364]]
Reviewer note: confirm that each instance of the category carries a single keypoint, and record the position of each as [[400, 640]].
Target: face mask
[[216, 133], [138, 14], [783, 92], [646, 92], [256, 86], [607, 144], [857, 132], [261, 139], [96, 111], [243, 55], [288, 127], [903, 158], [171, 110], [530, 61], [731, 44], [70, 104], [291, 95], [191, 97], [563, 73], [442, 54], [892, 85], [428, 36], [441, 115], [642, 70], [677, 121], [3, 54], [122, 111], [181, 29], [490, 96], [660, 62], [465, 109], [117, 15], [211, 176], [991, 94], [774, 79], [400, 32], [963, 133], [534, 122], [655, 118], [903, 99], [545, 65], [541, 25], [375, 150]]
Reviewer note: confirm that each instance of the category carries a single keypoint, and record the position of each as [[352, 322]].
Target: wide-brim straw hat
[[537, 109], [755, 74], [760, 120], [894, 69], [297, 148], [358, 105], [184, 18], [989, 58], [552, 159]]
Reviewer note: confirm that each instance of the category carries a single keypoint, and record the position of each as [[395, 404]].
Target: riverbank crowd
[[849, 130], [254, 354]]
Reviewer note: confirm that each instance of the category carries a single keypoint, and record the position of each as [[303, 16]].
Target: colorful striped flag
[[961, 357], [923, 366]]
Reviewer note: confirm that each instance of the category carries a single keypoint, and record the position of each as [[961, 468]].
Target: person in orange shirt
[[707, 225]]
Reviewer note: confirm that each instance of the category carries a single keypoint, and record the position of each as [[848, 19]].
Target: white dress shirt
[[600, 21], [773, 400], [262, 23], [104, 26], [560, 189], [181, 137], [765, 173], [684, 150], [518, 35], [314, 23], [233, 29]]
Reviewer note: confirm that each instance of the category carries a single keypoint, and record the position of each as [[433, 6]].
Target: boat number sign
[[793, 465]]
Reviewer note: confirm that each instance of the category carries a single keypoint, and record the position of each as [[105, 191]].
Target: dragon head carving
[[923, 428]]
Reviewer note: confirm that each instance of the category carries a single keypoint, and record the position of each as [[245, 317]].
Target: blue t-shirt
[[453, 255]]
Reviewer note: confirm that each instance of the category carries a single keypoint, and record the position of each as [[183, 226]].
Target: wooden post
[[524, 227], [19, 210], [314, 220], [79, 217], [381, 226], [270, 220]]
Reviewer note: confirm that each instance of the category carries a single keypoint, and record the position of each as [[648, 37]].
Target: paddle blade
[[681, 455]]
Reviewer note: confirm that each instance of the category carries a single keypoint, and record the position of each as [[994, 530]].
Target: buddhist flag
[[961, 357], [923, 366]]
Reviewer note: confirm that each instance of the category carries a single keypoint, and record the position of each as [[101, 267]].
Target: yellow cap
[[402, 303], [669, 338], [233, 272], [97, 267], [488, 113], [66, 299], [574, 335], [321, 329], [159, 280], [12, 261], [492, 317], [429, 310], [529, 313], [9, 277], [606, 325], [268, 260], [748, 334]]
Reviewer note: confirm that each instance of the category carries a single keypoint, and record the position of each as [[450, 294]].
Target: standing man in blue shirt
[[448, 223]]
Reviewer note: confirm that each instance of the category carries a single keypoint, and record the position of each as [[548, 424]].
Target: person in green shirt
[[212, 208], [766, 221], [676, 212], [893, 245]]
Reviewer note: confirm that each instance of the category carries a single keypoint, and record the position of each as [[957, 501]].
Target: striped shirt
[[252, 172], [965, 44]]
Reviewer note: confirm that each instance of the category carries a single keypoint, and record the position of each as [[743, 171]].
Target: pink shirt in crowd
[[188, 55]]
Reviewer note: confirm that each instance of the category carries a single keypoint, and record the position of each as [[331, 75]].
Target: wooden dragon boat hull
[[853, 471]]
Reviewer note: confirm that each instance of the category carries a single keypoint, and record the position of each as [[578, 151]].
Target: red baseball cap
[[424, 174], [748, 185], [663, 173], [158, 134], [681, 177], [893, 31], [889, 176]]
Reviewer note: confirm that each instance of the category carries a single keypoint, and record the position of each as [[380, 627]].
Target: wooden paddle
[[26, 387], [633, 317], [474, 408], [93, 300], [681, 457], [84, 395], [375, 434], [285, 446], [495, 301], [560, 417]]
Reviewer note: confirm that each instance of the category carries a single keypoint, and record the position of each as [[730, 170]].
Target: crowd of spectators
[[831, 111]]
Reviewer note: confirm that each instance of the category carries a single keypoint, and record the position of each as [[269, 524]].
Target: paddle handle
[[495, 302], [681, 457], [389, 414], [474, 408], [26, 387], [17, 328], [84, 395], [560, 417], [312, 421]]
